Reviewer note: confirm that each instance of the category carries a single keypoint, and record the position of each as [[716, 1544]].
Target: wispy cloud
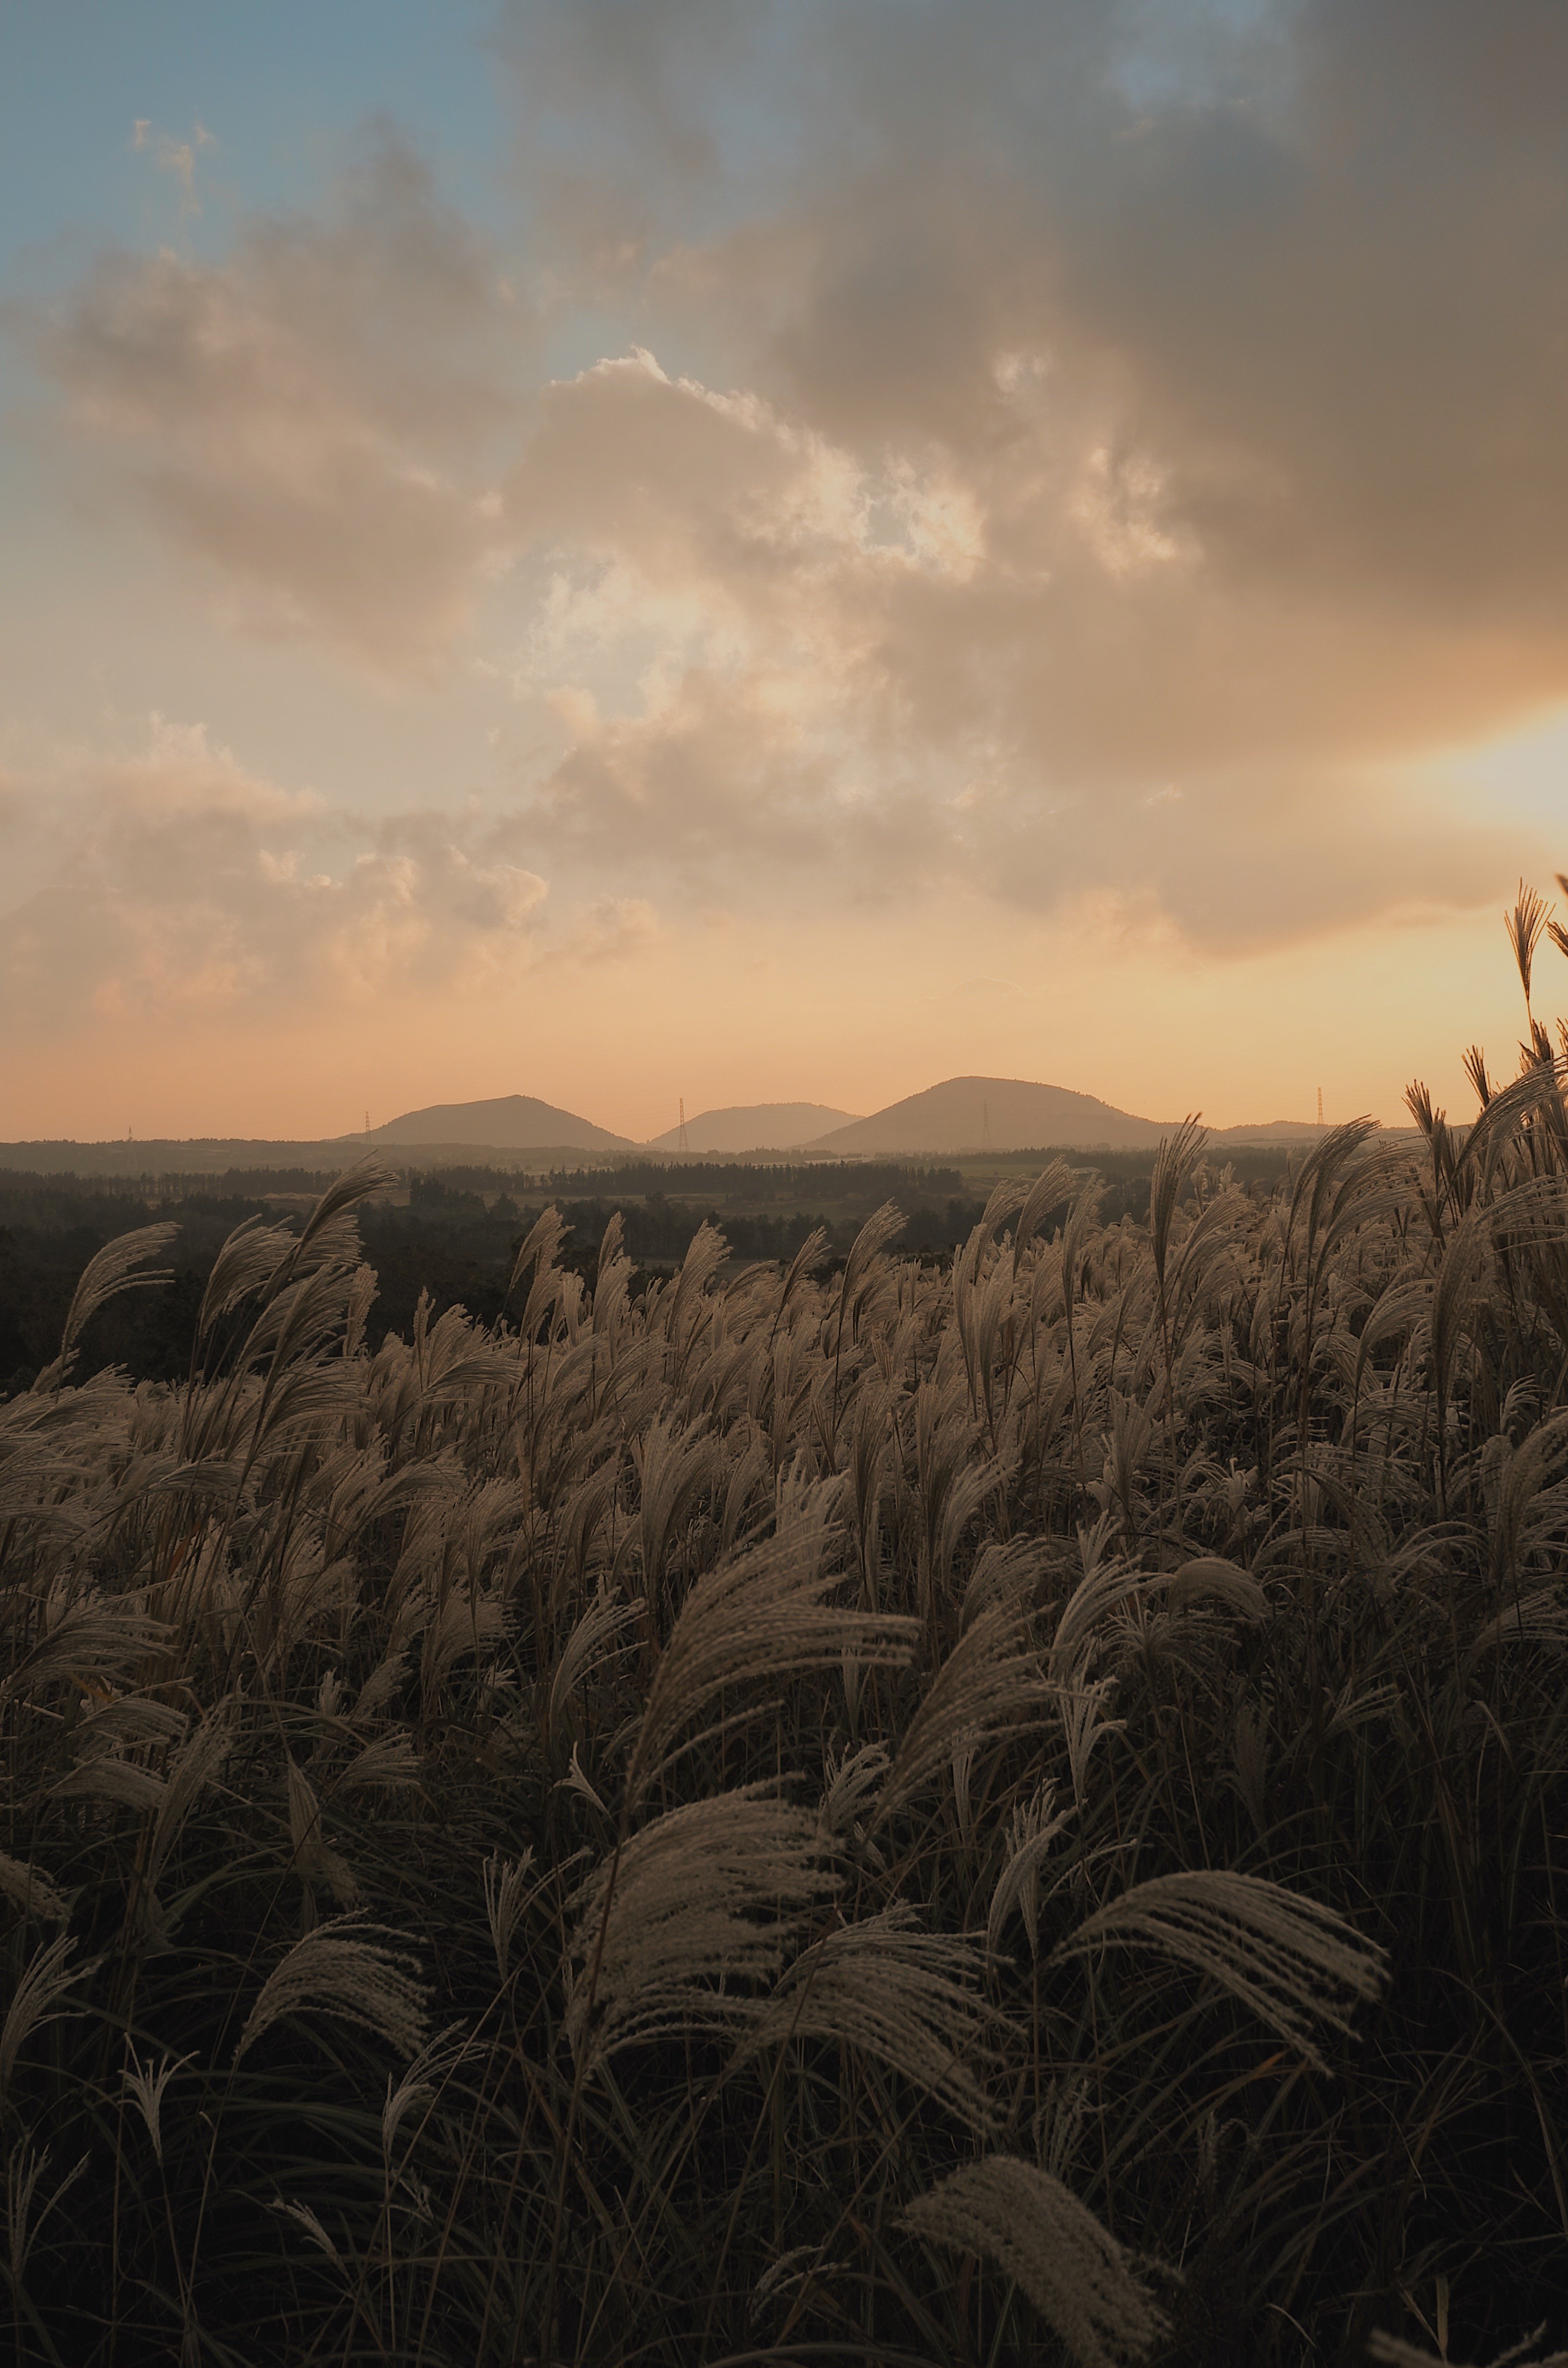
[[313, 418], [176, 156], [173, 884]]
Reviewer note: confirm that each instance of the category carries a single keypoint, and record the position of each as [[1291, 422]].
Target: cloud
[[857, 672], [173, 884], [1121, 394], [613, 927], [1014, 412], [314, 419], [174, 156]]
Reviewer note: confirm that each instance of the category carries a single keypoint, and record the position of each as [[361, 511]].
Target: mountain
[[993, 1114], [511, 1122], [1274, 1130], [755, 1126]]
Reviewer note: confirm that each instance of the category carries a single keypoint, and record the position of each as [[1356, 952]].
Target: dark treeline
[[455, 1235], [799, 1184]]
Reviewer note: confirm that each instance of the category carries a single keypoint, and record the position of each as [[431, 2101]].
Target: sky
[[752, 550]]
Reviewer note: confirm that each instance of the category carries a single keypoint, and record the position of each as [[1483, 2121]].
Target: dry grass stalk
[[1296, 1965], [36, 2000], [687, 1922], [32, 1892], [1077, 2277], [103, 1279], [755, 1620], [1392, 2351], [907, 1998], [990, 1685], [342, 1969]]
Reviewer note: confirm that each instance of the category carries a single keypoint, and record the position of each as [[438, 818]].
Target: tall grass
[[956, 1818]]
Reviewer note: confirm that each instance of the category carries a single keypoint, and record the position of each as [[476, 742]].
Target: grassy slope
[[548, 1842]]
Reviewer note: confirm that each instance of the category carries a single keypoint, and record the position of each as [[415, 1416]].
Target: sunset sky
[[627, 548]]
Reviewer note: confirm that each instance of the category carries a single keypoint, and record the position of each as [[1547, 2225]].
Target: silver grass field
[[1007, 1815]]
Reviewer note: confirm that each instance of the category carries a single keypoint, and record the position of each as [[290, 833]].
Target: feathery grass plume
[[251, 1258], [363, 1285], [103, 1279], [1539, 1617], [1127, 1443], [597, 1639], [1081, 1708], [673, 1928], [1172, 1162], [748, 1474], [1003, 1572], [538, 1249], [576, 1780], [144, 2085], [675, 1464], [1474, 1063], [122, 1783], [311, 2222], [124, 1721], [466, 1624], [991, 1684], [1209, 1578], [612, 1276], [806, 1259], [1524, 926], [33, 1893], [1037, 2232], [1520, 1481], [879, 1230], [1296, 1965], [873, 1239], [869, 1453], [1331, 1173], [754, 1620], [339, 1969], [910, 1999], [35, 2001], [421, 2083], [506, 1898], [1392, 2351], [851, 1785], [368, 1175], [1005, 1198], [1051, 1190], [1034, 1829], [25, 2166], [1104, 1589], [389, 1763], [1510, 1112]]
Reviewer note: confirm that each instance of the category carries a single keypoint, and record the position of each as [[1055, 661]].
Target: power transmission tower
[[1319, 1106], [684, 1144]]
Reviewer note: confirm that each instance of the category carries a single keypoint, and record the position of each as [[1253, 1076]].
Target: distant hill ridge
[[510, 1122], [961, 1115], [754, 1126], [993, 1114]]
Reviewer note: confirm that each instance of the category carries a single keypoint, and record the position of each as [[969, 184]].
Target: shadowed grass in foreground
[[1007, 1815]]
